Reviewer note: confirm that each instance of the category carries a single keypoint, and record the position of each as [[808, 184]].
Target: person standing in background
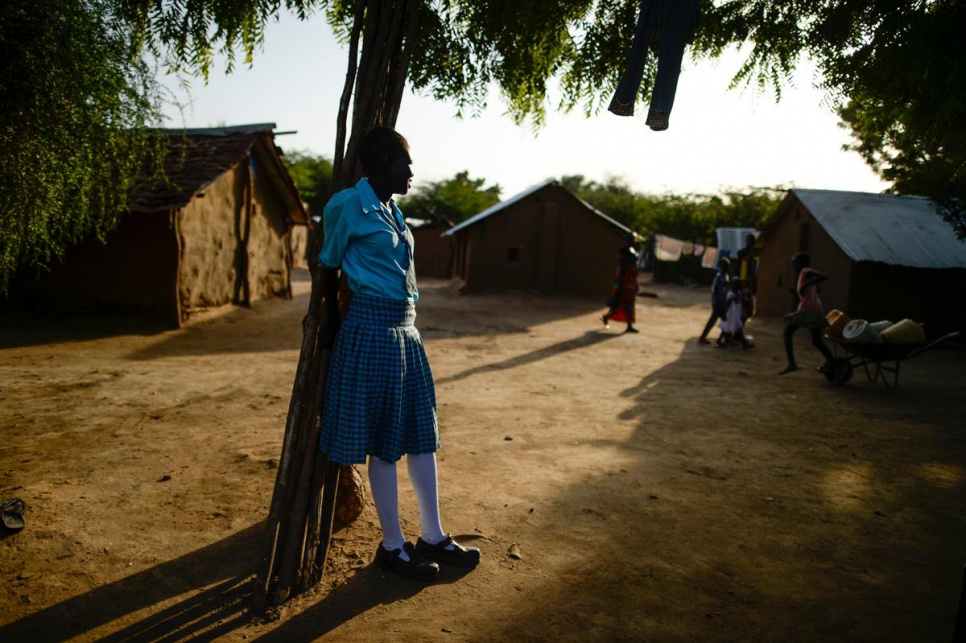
[[623, 295], [746, 272], [719, 298]]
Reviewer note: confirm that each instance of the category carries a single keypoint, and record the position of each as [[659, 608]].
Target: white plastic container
[[861, 332]]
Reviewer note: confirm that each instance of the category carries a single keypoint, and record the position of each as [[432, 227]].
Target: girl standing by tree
[[380, 400]]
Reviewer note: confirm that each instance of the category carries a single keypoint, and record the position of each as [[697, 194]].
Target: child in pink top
[[809, 314]]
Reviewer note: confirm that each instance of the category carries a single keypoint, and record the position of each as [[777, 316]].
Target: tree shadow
[[276, 324], [590, 338], [223, 569], [367, 589], [818, 530], [19, 330], [269, 325], [164, 603], [774, 526]]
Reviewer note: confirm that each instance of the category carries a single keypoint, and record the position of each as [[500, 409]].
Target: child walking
[[719, 298], [732, 328], [810, 314]]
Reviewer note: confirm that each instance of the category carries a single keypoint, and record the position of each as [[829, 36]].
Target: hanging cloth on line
[[666, 26], [667, 248], [710, 258]]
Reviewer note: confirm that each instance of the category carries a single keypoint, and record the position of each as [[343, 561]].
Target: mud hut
[[434, 252], [216, 230], [544, 239], [887, 257]]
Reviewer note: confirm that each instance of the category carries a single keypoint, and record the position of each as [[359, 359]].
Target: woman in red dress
[[624, 292]]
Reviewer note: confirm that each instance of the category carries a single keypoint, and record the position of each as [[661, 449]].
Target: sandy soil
[[654, 489]]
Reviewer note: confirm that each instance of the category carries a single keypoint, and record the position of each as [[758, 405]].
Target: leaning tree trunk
[[305, 498]]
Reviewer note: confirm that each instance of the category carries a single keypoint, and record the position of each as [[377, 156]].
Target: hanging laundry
[[666, 27], [710, 258], [667, 248]]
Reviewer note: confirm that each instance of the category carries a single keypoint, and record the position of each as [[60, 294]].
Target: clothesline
[[730, 240], [670, 249]]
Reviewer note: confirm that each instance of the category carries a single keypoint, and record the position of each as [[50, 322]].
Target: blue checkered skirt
[[379, 394]]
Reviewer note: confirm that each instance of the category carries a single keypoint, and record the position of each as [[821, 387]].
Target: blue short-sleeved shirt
[[370, 243]]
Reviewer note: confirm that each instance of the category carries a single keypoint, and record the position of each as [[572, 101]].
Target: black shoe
[[449, 552], [416, 568], [619, 108]]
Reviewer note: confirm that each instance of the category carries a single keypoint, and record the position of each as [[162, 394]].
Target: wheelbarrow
[[880, 361]]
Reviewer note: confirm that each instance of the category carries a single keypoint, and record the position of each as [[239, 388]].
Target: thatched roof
[[195, 158]]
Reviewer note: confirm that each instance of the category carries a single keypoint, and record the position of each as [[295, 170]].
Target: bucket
[[861, 332], [904, 332], [836, 322]]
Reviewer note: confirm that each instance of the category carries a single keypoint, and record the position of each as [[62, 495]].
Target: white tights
[[385, 495]]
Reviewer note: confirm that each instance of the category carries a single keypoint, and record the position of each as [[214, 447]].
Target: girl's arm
[[813, 277]]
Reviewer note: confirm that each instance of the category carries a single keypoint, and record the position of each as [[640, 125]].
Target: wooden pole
[[308, 575], [286, 477], [330, 492]]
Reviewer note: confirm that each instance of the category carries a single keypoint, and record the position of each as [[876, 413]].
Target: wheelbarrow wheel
[[840, 371]]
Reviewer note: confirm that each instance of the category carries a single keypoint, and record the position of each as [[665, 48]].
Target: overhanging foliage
[[76, 99]]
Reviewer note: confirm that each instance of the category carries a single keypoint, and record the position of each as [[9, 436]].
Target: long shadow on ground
[[150, 605], [205, 594], [776, 527], [590, 338]]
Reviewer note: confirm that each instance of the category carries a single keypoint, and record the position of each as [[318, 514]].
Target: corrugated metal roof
[[896, 230], [519, 197]]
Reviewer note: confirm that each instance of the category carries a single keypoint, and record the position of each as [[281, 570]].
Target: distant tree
[[75, 100], [455, 199], [680, 216], [312, 175], [695, 217], [576, 183], [614, 197], [748, 208], [689, 217]]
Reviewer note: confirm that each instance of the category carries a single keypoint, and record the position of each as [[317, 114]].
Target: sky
[[718, 139]]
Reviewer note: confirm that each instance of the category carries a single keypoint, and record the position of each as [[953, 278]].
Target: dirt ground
[[653, 489]]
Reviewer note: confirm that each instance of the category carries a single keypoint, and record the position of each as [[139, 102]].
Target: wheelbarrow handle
[[923, 349]]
